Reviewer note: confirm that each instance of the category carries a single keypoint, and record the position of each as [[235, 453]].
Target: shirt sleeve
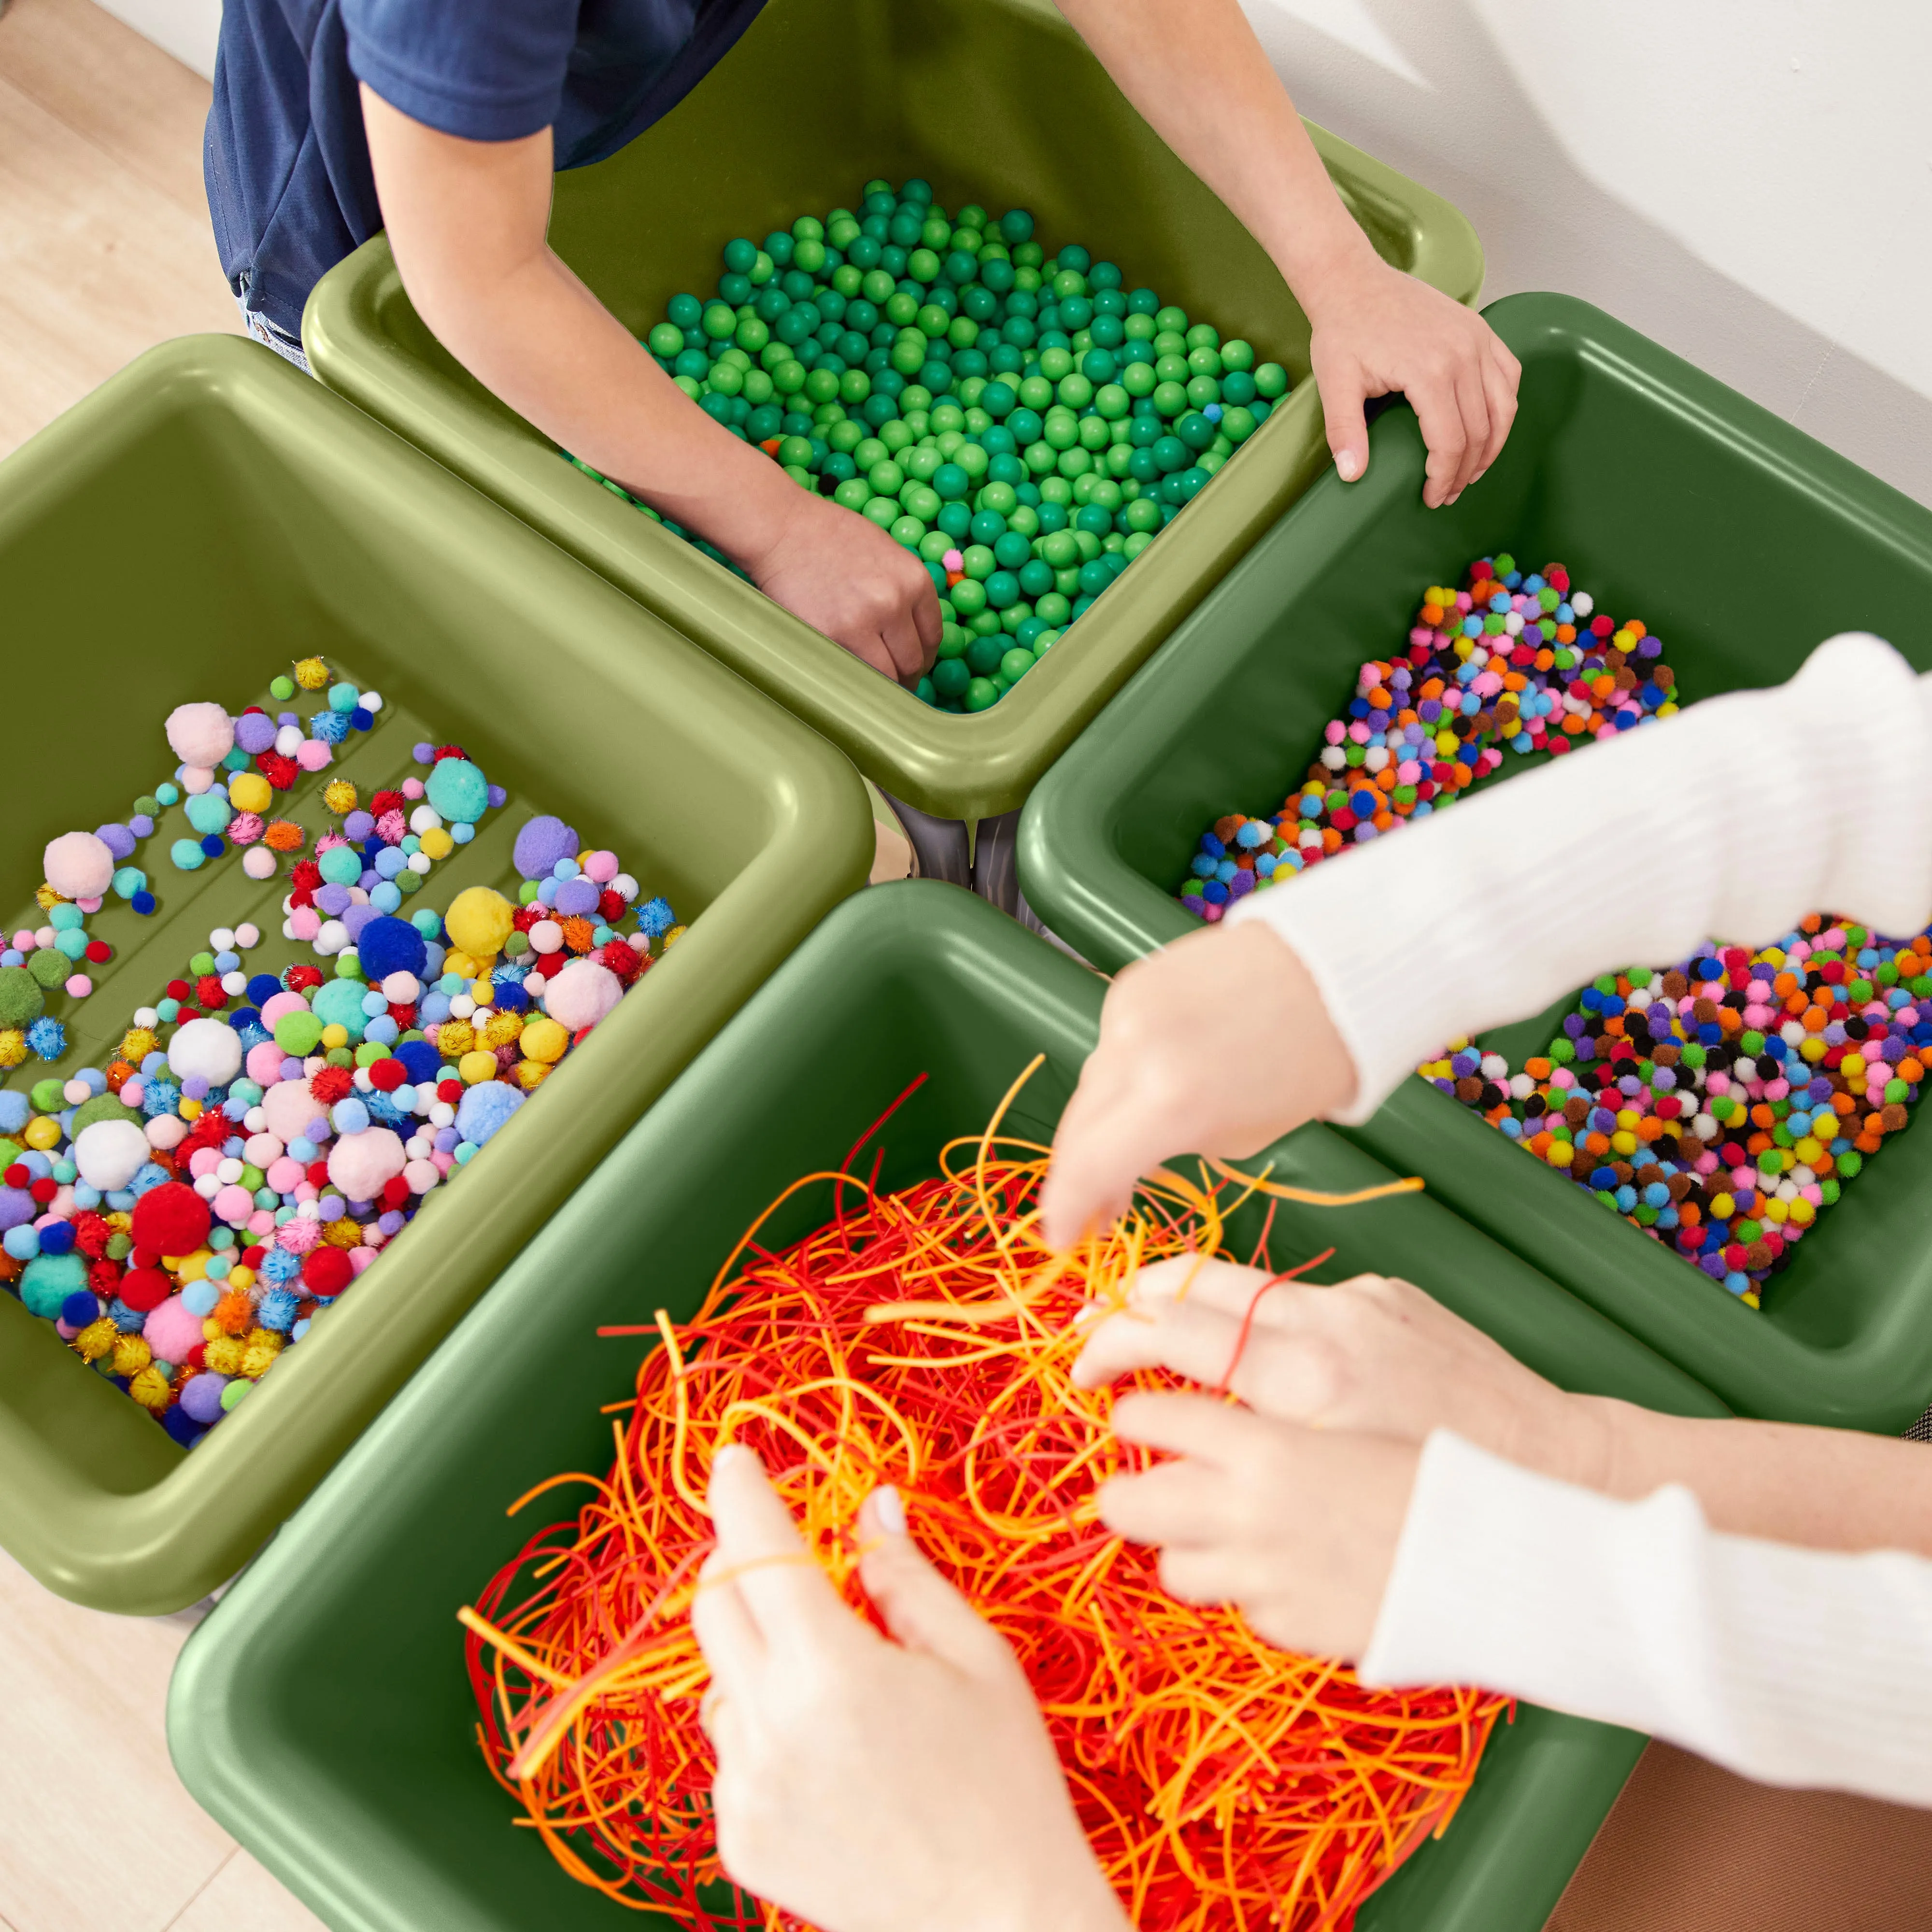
[[1799, 1667], [483, 70], [1809, 796]]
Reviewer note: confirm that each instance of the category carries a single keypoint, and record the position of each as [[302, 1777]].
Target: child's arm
[[1197, 73], [1732, 819], [467, 220]]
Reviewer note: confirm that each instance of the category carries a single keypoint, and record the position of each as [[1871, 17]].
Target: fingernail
[[889, 1508], [730, 1452], [1347, 466]]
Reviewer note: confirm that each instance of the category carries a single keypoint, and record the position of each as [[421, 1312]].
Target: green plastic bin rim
[[953, 767], [182, 1523]]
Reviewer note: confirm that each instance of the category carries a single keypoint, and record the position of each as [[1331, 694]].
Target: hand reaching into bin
[[1195, 70], [467, 220]]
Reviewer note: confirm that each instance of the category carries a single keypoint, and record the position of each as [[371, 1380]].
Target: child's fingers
[[788, 1598], [1444, 435], [921, 1609], [725, 1631], [1177, 1505], [1344, 389], [1500, 386], [1109, 1137], [1472, 405], [928, 623], [1188, 1337]]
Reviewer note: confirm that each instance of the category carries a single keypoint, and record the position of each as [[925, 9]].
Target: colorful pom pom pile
[[1510, 662], [924, 1338], [1028, 426], [185, 1213], [1719, 1105]]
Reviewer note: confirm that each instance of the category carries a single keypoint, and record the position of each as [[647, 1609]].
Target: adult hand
[[1375, 330], [869, 1783], [1218, 1045], [844, 577], [1370, 1354], [1296, 1528]]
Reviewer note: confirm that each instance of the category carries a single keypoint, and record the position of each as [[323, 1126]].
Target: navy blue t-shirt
[[287, 164]]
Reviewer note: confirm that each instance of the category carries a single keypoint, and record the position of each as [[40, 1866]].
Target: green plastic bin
[[992, 101], [1743, 544], [323, 1714], [204, 517]]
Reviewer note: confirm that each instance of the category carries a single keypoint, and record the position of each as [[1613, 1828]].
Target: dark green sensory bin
[[995, 101], [1743, 544], [322, 1712], [1026, 424]]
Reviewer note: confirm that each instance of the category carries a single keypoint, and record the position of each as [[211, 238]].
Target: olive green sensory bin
[[992, 101], [1026, 424], [323, 1713], [1743, 544], [202, 519]]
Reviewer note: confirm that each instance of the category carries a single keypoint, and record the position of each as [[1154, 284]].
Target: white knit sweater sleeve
[[1730, 821], [1792, 1666]]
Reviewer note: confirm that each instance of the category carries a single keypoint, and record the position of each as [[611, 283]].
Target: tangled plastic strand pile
[[924, 1338]]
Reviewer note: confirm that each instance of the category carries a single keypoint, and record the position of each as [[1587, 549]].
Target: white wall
[[1749, 181], [185, 28]]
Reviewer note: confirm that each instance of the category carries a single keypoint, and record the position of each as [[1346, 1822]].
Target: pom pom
[[386, 946], [311, 673], [540, 844], [458, 790], [483, 1108], [327, 1271], [207, 1050], [581, 994], [479, 920], [173, 1331], [284, 835], [80, 866], [47, 1038], [200, 734], [339, 795], [259, 862], [170, 1220], [361, 1164], [21, 999], [109, 1153]]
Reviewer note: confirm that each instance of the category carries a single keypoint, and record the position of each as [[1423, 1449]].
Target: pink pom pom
[[200, 735], [79, 985], [264, 1065], [173, 1331], [421, 1176], [262, 1222], [288, 1107], [283, 1175], [245, 827], [90, 906], [78, 866], [304, 923], [262, 1151], [299, 1235], [601, 867], [391, 828], [953, 560], [204, 1160], [165, 1131], [361, 1164], [359, 1258], [412, 788], [312, 755], [278, 1006], [259, 862], [197, 779], [581, 994], [234, 1205]]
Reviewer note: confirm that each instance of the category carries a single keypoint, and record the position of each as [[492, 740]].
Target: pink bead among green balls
[[956, 386]]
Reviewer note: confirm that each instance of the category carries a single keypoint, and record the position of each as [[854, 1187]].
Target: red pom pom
[[299, 978], [92, 1234], [302, 895], [449, 751], [104, 1278], [549, 964], [395, 1191], [611, 905], [43, 1190], [318, 1174], [307, 874], [254, 1257], [387, 801], [331, 1084], [146, 1288], [99, 952], [616, 957], [405, 1017], [326, 1271], [180, 989], [19, 1175], [208, 993], [171, 1220], [449, 1091], [279, 772], [197, 1360], [527, 916], [386, 1075]]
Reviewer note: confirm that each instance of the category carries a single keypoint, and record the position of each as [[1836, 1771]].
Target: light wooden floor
[[105, 247], [104, 250]]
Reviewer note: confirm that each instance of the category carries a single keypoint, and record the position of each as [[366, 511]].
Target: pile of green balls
[[1026, 424]]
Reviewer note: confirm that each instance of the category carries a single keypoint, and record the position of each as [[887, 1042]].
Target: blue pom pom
[[277, 1309], [279, 1265], [47, 1038], [361, 719], [14, 1112], [485, 1107], [330, 727], [421, 1061], [510, 997], [1251, 835], [79, 1309], [654, 917], [158, 1097], [382, 1109], [143, 903], [57, 1238]]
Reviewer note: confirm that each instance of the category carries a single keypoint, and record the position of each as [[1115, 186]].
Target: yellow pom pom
[[671, 938], [42, 1132], [334, 1035], [240, 1278], [131, 1355], [544, 1040], [455, 1038], [190, 1110], [120, 1221], [459, 962], [12, 1046], [311, 673], [95, 1339], [502, 1030], [249, 791], [436, 842], [223, 1355], [259, 1352], [479, 921], [531, 1074], [150, 1388], [339, 795], [47, 898], [186, 1268], [342, 1233], [136, 1043], [476, 1066]]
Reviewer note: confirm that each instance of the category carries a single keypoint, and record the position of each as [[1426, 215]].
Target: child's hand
[[1371, 1354], [1297, 1528], [844, 577], [1376, 330], [1218, 1045], [866, 1784]]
